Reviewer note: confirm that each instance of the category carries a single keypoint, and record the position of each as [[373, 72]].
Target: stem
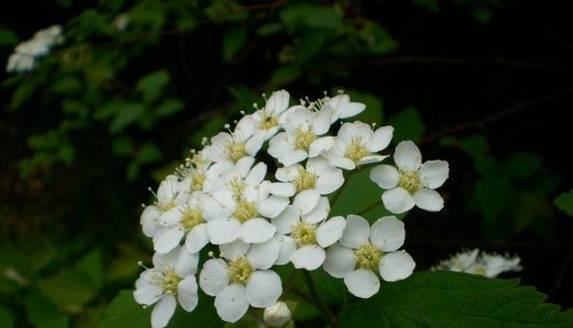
[[328, 315]]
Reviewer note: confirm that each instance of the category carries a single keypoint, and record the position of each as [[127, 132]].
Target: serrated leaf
[[233, 40], [565, 202], [408, 125], [449, 299]]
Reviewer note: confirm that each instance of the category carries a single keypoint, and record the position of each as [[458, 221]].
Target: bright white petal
[[257, 230], [362, 283], [309, 257], [222, 231], [288, 173], [370, 159], [434, 173], [257, 174], [287, 247], [197, 238], [342, 162], [285, 221], [187, 293], [282, 189], [273, 206], [167, 239], [380, 139], [329, 181], [429, 200], [264, 289], [234, 250], [296, 156], [243, 165], [407, 156], [163, 311], [356, 232], [398, 200], [186, 263], [231, 303], [254, 144], [330, 231], [263, 255], [171, 217], [385, 176], [149, 220], [388, 234], [321, 123], [214, 276], [339, 261], [319, 213], [320, 145], [306, 201], [396, 266], [148, 294]]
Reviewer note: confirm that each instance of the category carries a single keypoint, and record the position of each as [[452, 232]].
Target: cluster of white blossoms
[[26, 53], [480, 263], [259, 195]]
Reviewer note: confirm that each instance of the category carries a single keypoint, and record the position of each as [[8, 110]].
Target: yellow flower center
[[240, 271], [237, 151], [356, 150], [268, 121], [304, 181], [191, 217], [304, 234], [368, 257], [170, 282], [245, 211], [303, 139], [237, 186], [410, 181], [197, 181]]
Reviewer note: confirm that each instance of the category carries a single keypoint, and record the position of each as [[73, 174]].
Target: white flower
[[482, 264], [318, 178], [301, 138], [268, 120], [277, 315], [231, 147], [304, 239], [364, 251], [242, 278], [412, 183], [25, 54], [171, 280], [357, 144], [168, 196], [342, 107]]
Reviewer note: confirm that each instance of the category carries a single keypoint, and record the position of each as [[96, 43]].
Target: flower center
[[356, 151], [237, 151], [164, 207], [237, 187], [268, 121], [410, 181], [191, 217], [304, 234], [240, 271], [245, 211], [170, 282], [197, 181], [368, 257], [303, 139], [304, 181]]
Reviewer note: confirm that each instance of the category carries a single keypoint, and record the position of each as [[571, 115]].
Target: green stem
[[328, 315]]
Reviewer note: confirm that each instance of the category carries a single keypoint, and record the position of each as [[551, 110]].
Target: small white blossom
[[342, 107], [168, 196], [277, 315], [169, 282], [232, 146], [364, 251], [241, 278], [480, 263], [26, 53], [268, 120], [357, 144], [411, 183]]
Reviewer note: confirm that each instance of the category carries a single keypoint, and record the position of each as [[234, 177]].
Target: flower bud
[[277, 315]]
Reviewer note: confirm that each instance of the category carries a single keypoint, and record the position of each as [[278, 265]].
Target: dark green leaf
[[7, 38], [309, 15], [408, 125], [522, 165], [43, 314], [233, 40], [152, 85], [285, 75], [126, 113], [168, 107], [6, 318], [374, 112], [565, 202]]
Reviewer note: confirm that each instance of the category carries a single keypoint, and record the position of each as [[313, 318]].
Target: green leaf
[[233, 40], [522, 165], [7, 38], [308, 15], [565, 202], [43, 314], [126, 113], [492, 196], [66, 85], [6, 318], [374, 112], [408, 125], [448, 299], [148, 153], [152, 85], [91, 266], [431, 5], [168, 107], [285, 75]]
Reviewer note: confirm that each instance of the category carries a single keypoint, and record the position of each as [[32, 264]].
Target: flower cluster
[[26, 53], [259, 195], [480, 263]]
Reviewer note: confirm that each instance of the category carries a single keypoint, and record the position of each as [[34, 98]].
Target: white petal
[[380, 139], [214, 276], [434, 173], [186, 263], [388, 234], [330, 231], [385, 176], [309, 257], [273, 206], [339, 261], [257, 230], [214, 210], [320, 145], [342, 162], [285, 221], [148, 294], [369, 159], [306, 201], [243, 165], [264, 289], [231, 303], [398, 200], [197, 238], [167, 239], [222, 231], [356, 232], [321, 123], [429, 200], [362, 283], [288, 173], [257, 174], [396, 266], [295, 156], [277, 102], [319, 213], [287, 247], [163, 311], [149, 220], [407, 156], [282, 189], [171, 217], [254, 144], [187, 293], [234, 250], [263, 255], [329, 181]]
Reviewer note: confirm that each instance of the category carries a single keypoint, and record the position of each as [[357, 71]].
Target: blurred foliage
[[138, 83]]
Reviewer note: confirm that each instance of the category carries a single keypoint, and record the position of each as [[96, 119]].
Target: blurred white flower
[[277, 315], [411, 183], [480, 263], [365, 251], [26, 53], [242, 278], [169, 282]]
